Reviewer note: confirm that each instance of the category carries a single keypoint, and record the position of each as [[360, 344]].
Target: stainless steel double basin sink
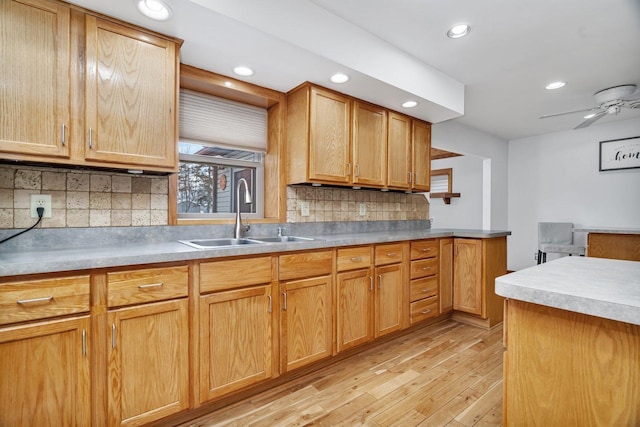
[[225, 242]]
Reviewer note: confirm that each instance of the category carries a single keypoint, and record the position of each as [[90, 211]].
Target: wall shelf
[[444, 196]]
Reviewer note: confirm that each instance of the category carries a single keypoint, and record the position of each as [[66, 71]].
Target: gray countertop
[[599, 287], [89, 257], [608, 230]]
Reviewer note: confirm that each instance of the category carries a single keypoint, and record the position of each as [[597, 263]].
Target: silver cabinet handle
[[356, 259], [284, 304], [424, 291], [426, 249], [410, 177], [270, 304], [63, 136], [426, 268], [357, 170], [84, 343], [90, 137], [392, 254], [34, 300], [427, 311], [379, 281], [370, 283], [151, 285], [113, 335], [348, 169]]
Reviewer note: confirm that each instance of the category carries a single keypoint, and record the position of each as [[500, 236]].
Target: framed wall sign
[[620, 154]]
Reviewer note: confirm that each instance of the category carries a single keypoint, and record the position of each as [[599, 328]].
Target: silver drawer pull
[[356, 259], [151, 285], [426, 268], [426, 249], [427, 311], [424, 291], [392, 254], [34, 300]]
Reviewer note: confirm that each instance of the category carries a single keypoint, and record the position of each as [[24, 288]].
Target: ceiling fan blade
[[590, 120], [567, 112]]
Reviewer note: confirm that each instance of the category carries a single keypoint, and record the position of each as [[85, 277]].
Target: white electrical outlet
[[363, 209], [41, 200], [304, 208]]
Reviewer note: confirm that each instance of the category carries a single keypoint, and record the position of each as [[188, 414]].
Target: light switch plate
[[304, 208]]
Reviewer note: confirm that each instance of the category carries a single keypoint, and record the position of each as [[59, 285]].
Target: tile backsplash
[[82, 198], [337, 204], [88, 198]]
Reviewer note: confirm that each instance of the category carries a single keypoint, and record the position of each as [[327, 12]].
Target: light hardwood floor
[[447, 374]]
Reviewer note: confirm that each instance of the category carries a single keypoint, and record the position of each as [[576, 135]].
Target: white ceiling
[[492, 80]]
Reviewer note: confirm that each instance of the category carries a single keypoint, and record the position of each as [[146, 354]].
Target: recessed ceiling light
[[340, 78], [154, 9], [409, 104], [243, 71], [555, 85], [588, 116], [458, 30]]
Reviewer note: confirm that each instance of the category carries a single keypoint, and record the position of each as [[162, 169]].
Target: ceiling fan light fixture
[[157, 10], [555, 85], [458, 30]]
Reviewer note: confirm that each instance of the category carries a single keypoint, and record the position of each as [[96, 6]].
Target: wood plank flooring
[[448, 374]]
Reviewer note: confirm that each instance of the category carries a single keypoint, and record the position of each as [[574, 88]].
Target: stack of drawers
[[424, 279]]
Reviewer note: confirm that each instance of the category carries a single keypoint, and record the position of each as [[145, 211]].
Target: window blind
[[210, 119], [439, 184]]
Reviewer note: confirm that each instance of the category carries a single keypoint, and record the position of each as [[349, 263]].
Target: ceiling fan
[[610, 101]]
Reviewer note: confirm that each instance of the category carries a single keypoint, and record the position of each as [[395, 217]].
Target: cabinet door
[[467, 276], [235, 340], [329, 153], [355, 308], [421, 158], [306, 322], [45, 374], [399, 152], [148, 362], [34, 69], [369, 143], [130, 96], [388, 317], [445, 275]]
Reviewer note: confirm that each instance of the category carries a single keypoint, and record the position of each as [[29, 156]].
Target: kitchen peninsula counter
[[114, 254], [613, 243], [572, 338]]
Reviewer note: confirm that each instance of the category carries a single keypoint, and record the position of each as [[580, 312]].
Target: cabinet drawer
[[146, 285], [424, 267], [305, 264], [235, 273], [39, 299], [389, 254], [354, 258], [422, 288], [424, 309], [424, 249]]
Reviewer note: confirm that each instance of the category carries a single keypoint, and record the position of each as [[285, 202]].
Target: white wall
[[462, 139], [465, 211], [555, 177]]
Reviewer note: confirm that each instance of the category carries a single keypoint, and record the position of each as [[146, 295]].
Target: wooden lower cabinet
[[476, 264], [614, 246], [445, 275], [235, 340], [305, 321], [354, 308], [148, 362], [388, 299], [45, 374]]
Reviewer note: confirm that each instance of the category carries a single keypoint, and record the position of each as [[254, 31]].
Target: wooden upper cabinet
[[399, 152], [34, 69], [318, 136], [421, 156], [369, 144], [130, 96]]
